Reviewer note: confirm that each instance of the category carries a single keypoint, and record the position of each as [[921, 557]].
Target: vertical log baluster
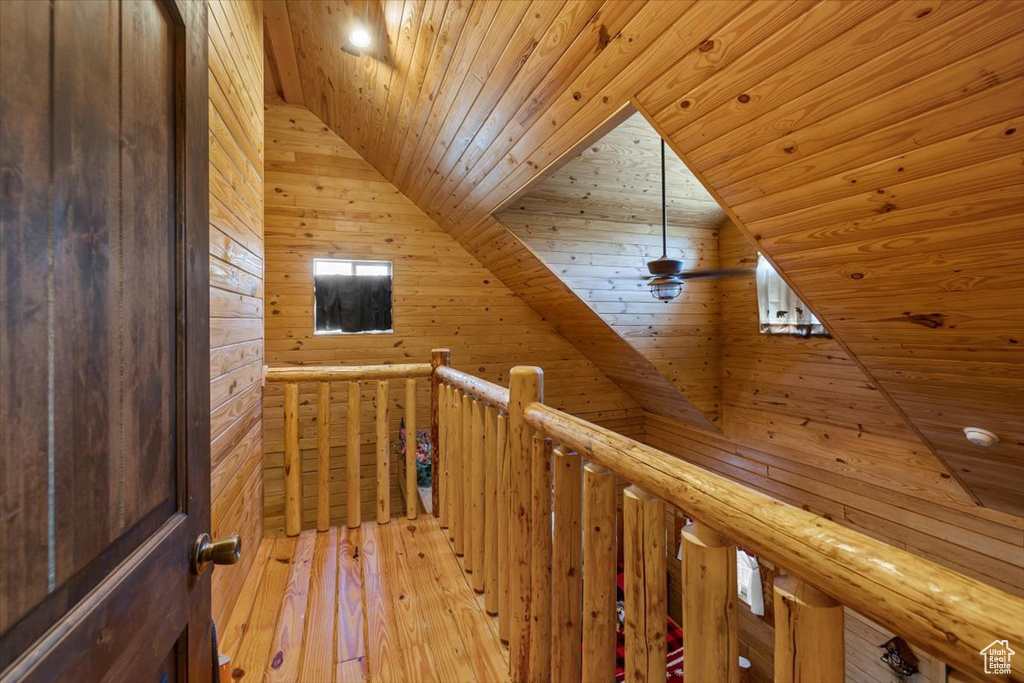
[[456, 520], [292, 462], [504, 617], [644, 586], [383, 455], [323, 456], [476, 507], [438, 358], [566, 570], [353, 463], [466, 513], [599, 574], [709, 605], [808, 634], [540, 567], [440, 472], [412, 496], [448, 467], [491, 510], [525, 387]]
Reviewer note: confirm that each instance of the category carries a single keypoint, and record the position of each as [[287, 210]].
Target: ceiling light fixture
[[359, 37]]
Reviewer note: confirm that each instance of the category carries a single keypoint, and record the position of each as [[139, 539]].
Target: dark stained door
[[104, 340]]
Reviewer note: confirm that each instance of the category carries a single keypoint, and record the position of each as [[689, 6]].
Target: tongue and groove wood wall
[[824, 125], [802, 423], [236, 284], [324, 200]]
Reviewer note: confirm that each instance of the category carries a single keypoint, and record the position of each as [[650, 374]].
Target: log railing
[[560, 473], [291, 377], [528, 496]]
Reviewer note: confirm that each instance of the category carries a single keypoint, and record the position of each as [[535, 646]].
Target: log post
[[645, 589], [710, 605], [353, 463], [466, 513], [808, 634], [477, 499], [323, 456], [566, 570], [525, 387], [412, 496], [540, 567], [383, 455], [455, 521], [438, 358], [439, 474], [504, 495], [491, 510], [292, 462], [599, 574]]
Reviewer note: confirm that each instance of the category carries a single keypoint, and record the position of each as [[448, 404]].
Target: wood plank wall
[[595, 223], [324, 200], [236, 284], [804, 424]]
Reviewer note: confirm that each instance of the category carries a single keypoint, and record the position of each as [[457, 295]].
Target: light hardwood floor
[[379, 603]]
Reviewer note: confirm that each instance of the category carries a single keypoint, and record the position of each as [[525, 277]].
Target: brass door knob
[[222, 551]]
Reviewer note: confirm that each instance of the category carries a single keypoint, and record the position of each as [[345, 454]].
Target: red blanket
[[673, 641]]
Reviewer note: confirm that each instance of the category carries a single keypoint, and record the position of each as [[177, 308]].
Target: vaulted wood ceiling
[[872, 149]]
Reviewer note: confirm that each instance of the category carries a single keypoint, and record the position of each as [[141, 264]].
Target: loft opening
[[352, 296]]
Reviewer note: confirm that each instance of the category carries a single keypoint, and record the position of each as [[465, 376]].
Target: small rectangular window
[[781, 310], [351, 297]]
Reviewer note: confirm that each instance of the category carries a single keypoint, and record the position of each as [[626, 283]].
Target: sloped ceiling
[[872, 149], [595, 223]]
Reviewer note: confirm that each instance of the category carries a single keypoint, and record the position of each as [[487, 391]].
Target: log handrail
[[291, 377], [494, 476], [480, 389], [945, 613], [346, 373]]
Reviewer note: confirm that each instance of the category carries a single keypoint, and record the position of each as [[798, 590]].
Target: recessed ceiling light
[[359, 37]]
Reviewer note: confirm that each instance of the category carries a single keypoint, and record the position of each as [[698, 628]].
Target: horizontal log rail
[[346, 373], [947, 614], [480, 389]]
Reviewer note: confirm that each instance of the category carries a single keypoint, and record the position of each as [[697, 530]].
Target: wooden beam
[[279, 35]]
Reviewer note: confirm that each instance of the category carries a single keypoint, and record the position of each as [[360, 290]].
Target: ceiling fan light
[[666, 288]]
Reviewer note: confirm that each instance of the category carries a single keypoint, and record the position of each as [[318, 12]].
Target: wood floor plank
[[229, 637], [349, 619], [286, 652], [385, 663], [478, 630], [254, 651], [378, 603], [318, 645], [352, 671], [449, 651], [404, 604]]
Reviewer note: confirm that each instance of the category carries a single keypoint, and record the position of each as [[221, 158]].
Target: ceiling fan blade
[[717, 274]]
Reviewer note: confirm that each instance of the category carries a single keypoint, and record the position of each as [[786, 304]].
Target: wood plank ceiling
[[873, 150], [596, 222]]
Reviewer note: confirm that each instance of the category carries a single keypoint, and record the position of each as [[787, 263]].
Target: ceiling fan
[[667, 274]]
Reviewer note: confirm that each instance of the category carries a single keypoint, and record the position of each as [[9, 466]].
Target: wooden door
[[104, 372]]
